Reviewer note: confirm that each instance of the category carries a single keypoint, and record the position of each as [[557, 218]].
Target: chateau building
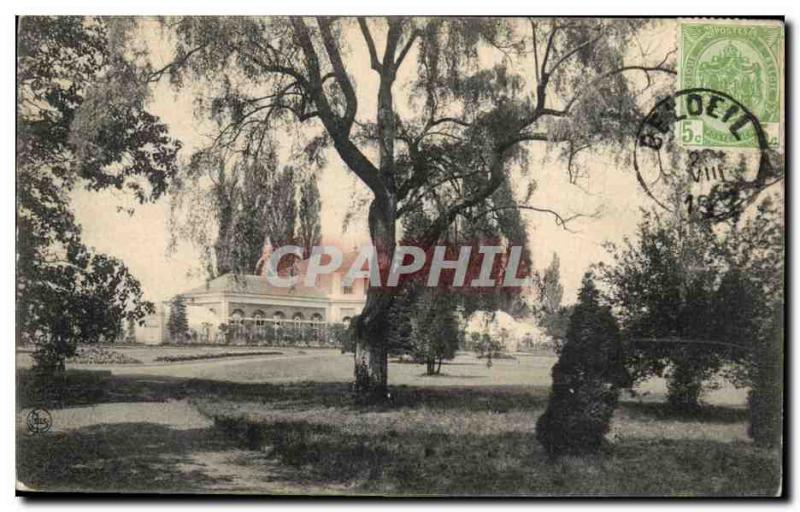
[[237, 300]]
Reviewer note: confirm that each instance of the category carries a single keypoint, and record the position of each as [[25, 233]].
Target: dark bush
[[765, 399], [586, 380]]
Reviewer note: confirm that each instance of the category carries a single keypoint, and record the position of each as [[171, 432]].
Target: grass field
[[287, 424]]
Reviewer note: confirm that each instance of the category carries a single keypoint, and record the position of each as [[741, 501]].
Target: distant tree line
[[233, 208]]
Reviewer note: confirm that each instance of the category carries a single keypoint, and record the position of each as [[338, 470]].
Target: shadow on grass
[[85, 387], [706, 413], [117, 457], [388, 461], [81, 387], [487, 458]]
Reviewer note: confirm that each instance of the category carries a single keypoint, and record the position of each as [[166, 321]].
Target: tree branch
[[574, 51], [156, 75], [351, 102], [392, 39], [373, 53], [560, 220], [547, 50], [446, 218], [352, 156], [535, 52], [406, 49], [646, 69], [433, 186]]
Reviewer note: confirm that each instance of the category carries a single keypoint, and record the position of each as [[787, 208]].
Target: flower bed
[[99, 355], [195, 357]]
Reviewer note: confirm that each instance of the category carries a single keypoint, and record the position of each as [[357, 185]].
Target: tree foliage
[[233, 209], [448, 128], [309, 230], [662, 286], [553, 317], [551, 291], [700, 299], [81, 121], [750, 302], [434, 331], [425, 324]]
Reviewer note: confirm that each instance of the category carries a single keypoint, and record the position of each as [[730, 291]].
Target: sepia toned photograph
[[400, 256]]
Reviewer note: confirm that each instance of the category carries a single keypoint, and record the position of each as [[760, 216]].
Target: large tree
[[662, 285], [81, 121], [458, 105], [749, 314]]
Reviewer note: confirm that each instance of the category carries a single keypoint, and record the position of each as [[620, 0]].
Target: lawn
[[287, 424]]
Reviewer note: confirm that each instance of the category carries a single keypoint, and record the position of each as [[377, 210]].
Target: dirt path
[[159, 447]]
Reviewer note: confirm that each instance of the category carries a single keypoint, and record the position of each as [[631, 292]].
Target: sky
[[141, 240]]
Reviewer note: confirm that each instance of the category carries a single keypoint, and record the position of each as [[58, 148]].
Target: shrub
[[586, 380], [177, 323], [344, 336], [434, 333]]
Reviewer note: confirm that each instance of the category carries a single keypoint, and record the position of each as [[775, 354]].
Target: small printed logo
[[39, 421]]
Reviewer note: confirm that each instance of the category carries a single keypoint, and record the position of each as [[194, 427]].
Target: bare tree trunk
[[371, 354], [371, 344], [371, 368], [371, 325], [430, 365]]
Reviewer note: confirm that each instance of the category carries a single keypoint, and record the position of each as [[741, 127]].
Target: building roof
[[257, 285]]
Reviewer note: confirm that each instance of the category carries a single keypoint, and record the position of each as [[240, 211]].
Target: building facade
[[249, 305]]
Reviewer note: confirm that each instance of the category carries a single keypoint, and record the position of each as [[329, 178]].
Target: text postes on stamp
[[744, 61]]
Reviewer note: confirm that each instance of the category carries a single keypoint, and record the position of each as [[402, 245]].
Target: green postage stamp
[[741, 59]]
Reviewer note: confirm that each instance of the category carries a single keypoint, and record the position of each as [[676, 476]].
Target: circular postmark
[[39, 421], [713, 183]]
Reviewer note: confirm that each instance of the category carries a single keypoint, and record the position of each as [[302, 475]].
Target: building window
[[237, 316], [297, 316], [316, 317], [347, 290], [278, 318], [259, 317], [346, 320]]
